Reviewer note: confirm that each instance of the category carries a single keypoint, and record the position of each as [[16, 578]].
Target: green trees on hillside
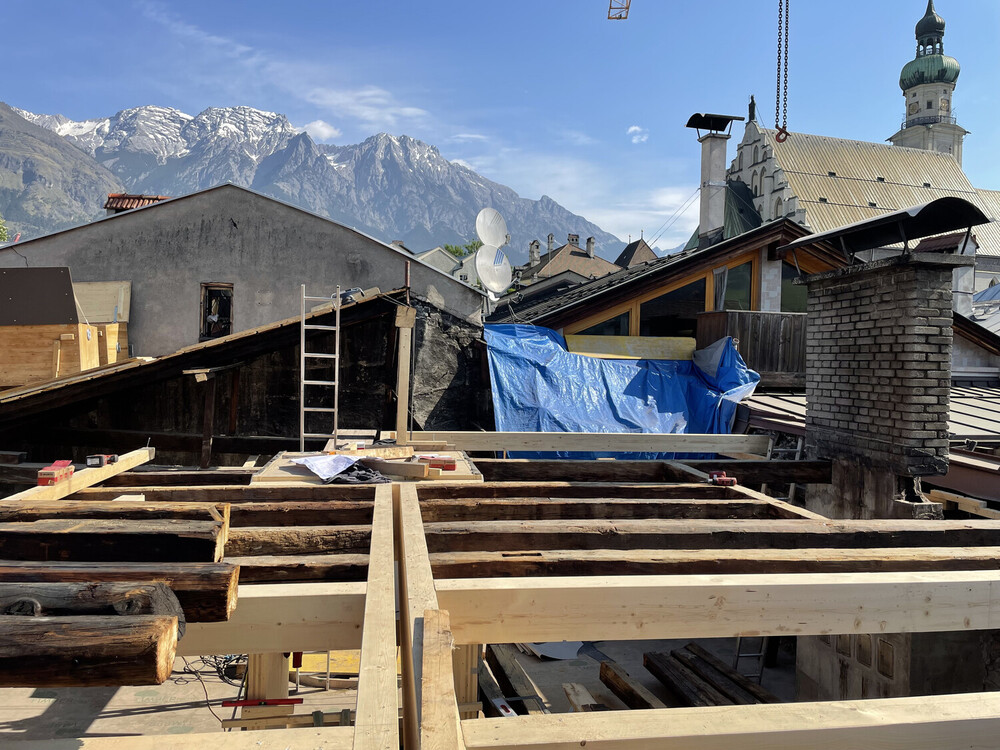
[[460, 251], [3, 230]]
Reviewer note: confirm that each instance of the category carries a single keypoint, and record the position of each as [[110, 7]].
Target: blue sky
[[547, 97]]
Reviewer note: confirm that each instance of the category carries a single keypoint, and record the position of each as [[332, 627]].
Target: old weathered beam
[[76, 599], [629, 691], [594, 508], [695, 534], [290, 513], [727, 680], [298, 540], [206, 591], [513, 680], [606, 562], [235, 493], [274, 568], [99, 540], [687, 688], [86, 651], [113, 510]]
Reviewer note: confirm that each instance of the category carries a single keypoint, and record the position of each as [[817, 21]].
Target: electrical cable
[[676, 215], [208, 703]]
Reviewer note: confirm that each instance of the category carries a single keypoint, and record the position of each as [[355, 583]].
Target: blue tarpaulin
[[539, 386]]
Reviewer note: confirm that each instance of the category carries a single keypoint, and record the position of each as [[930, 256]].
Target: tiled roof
[[126, 202], [571, 258], [635, 253]]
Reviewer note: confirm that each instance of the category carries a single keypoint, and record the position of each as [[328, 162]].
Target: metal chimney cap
[[717, 123]]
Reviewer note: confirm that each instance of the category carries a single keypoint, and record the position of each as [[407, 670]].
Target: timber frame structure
[[525, 555]]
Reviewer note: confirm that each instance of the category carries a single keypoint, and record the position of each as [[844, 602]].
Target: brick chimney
[[590, 246], [551, 242], [574, 240], [713, 132], [534, 253]]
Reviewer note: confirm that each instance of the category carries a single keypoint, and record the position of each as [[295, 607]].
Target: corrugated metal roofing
[[865, 173], [975, 410]]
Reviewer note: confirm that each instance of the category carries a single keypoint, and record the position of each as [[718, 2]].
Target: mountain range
[[55, 173]]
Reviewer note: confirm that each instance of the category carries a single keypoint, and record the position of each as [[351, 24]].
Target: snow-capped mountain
[[393, 187]]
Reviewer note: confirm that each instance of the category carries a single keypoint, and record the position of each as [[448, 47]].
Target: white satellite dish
[[494, 270], [491, 227]]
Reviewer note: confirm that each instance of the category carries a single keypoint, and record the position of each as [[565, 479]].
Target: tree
[[461, 251], [3, 230]]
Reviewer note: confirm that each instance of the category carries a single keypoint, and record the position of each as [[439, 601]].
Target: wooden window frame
[[205, 287]]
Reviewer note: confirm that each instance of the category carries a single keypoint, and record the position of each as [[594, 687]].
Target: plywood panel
[[31, 354], [104, 301]]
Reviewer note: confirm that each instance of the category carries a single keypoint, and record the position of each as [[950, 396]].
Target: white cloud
[[576, 138], [463, 137], [369, 105], [638, 134], [320, 130]]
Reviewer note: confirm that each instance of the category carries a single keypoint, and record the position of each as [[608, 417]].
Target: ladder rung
[[319, 328], [326, 435], [319, 382], [317, 355], [320, 299], [319, 408]]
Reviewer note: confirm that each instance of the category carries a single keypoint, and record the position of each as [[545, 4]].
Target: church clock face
[[913, 108], [944, 105]]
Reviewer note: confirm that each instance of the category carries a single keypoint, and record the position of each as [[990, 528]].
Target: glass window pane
[[617, 326], [674, 313], [738, 287], [793, 296]]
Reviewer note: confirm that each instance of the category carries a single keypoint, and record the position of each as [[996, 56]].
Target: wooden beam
[[580, 699], [286, 617], [937, 722], [417, 595], [405, 337], [266, 679], [206, 591], [76, 599], [111, 510], [628, 690], [583, 490], [621, 442], [604, 562], [695, 534], [512, 679], [465, 666], [377, 724], [208, 419], [439, 726], [648, 607], [97, 540], [234, 493], [747, 472], [327, 738], [686, 687], [86, 477], [536, 509], [329, 513], [733, 684], [298, 540], [273, 568], [87, 651]]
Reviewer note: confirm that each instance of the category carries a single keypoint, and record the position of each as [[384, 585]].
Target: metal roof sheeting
[[975, 411], [807, 161]]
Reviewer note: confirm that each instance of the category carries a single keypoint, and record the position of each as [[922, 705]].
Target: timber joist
[[548, 558]]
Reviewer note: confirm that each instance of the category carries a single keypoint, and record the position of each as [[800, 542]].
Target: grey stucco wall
[[265, 248]]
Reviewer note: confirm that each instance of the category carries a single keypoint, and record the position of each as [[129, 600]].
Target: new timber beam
[[86, 477], [935, 722], [619, 442], [505, 610]]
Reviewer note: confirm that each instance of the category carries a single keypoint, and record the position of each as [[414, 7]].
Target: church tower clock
[[928, 83]]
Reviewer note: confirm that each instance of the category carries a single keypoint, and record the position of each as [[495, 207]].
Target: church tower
[[928, 82]]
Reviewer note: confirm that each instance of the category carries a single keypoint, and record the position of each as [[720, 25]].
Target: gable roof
[[571, 258], [635, 253], [864, 173], [128, 215]]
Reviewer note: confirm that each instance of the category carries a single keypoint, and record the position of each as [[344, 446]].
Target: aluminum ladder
[[304, 355]]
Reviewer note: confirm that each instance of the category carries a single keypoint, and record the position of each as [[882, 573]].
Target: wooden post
[[207, 423], [267, 678], [466, 667], [405, 319]]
